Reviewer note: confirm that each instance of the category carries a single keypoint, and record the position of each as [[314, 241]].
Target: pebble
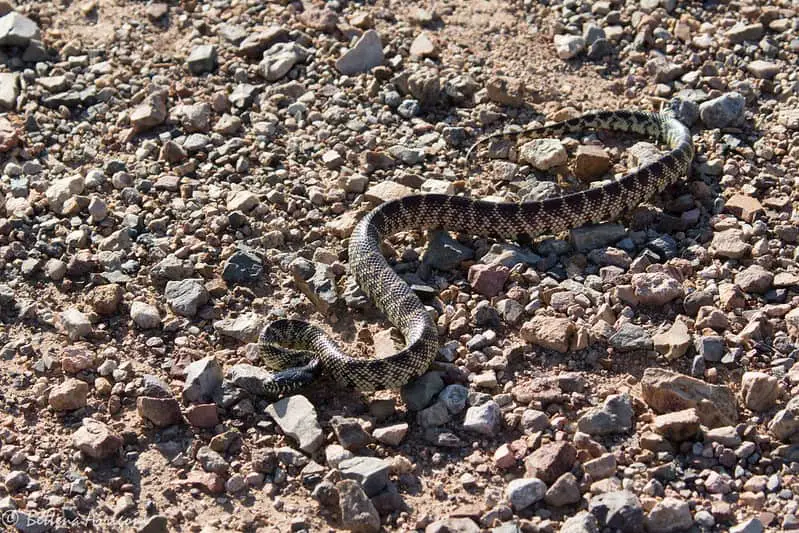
[[484, 419], [549, 332]]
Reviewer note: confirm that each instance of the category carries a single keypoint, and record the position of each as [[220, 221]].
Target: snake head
[[291, 379]]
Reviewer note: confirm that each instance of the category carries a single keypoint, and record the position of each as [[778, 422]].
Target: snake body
[[299, 351]]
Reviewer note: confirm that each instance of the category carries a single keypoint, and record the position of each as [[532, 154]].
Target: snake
[[298, 352]]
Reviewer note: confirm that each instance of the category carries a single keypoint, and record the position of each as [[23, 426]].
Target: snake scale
[[299, 351]]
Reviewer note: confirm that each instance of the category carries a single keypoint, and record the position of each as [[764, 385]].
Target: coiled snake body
[[299, 351]]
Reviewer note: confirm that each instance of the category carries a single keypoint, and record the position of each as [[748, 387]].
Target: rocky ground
[[175, 175]]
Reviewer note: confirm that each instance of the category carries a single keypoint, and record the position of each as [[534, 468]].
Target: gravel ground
[[175, 175]]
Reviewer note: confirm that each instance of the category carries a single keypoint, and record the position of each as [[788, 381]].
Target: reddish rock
[[590, 162], [551, 461], [213, 483], [743, 206], [203, 415], [162, 412], [488, 280]]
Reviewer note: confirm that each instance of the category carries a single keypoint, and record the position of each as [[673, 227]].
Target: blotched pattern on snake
[[300, 351]]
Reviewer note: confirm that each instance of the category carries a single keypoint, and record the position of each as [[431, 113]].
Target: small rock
[[484, 419], [726, 110], [203, 378], [543, 154], [162, 412], [679, 425], [488, 280], [675, 342], [423, 46], [420, 392], [590, 162], [549, 332], [364, 56], [564, 491], [96, 440], [614, 416], [358, 514], [669, 515], [582, 522], [656, 288], [568, 46], [596, 236], [144, 315], [759, 391], [391, 435], [666, 391], [618, 510], [630, 337], [785, 424], [550, 461], [186, 296], [370, 472], [202, 59], [743, 206], [522, 493], [754, 279], [75, 323], [69, 395]]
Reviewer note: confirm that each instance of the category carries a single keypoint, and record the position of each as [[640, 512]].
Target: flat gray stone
[[297, 417], [364, 56], [370, 472]]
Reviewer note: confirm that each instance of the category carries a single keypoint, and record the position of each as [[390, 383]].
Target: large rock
[[297, 417], [17, 30], [666, 391]]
